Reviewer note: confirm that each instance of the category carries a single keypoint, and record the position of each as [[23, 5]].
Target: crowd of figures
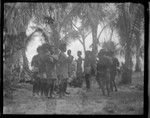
[[53, 72]]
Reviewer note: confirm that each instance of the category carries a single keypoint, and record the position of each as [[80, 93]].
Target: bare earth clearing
[[128, 100]]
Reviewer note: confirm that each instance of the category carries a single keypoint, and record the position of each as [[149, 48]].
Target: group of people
[[107, 69], [48, 67], [53, 70]]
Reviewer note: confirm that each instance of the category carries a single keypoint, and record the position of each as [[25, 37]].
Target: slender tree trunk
[[128, 65], [127, 71], [94, 36], [112, 30], [84, 48], [137, 66], [94, 47]]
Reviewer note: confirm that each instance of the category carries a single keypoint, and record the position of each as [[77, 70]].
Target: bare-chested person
[[62, 70]]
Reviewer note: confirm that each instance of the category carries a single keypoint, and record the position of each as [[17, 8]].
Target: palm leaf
[[18, 18], [71, 36], [69, 16]]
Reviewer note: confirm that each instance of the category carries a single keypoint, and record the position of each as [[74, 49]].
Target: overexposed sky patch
[[31, 50]]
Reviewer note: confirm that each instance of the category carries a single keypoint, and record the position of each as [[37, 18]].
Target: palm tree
[[126, 26], [110, 46], [77, 33], [138, 32], [17, 17], [90, 14]]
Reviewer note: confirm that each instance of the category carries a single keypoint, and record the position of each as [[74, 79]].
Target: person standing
[[113, 70], [70, 60], [79, 68], [42, 71], [50, 60], [35, 63], [87, 69], [63, 70], [103, 71]]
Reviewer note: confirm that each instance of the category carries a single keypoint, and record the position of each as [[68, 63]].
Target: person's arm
[[117, 62], [62, 58], [33, 61], [48, 57], [72, 58], [55, 58], [97, 67]]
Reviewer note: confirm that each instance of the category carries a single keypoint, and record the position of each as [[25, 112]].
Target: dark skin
[[64, 49], [69, 52], [87, 63], [51, 51], [64, 84], [101, 76], [37, 84], [79, 54]]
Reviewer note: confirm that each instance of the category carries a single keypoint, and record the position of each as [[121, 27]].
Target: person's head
[[62, 47], [110, 53], [39, 50], [79, 53], [69, 52], [87, 53], [51, 49], [102, 52], [45, 47]]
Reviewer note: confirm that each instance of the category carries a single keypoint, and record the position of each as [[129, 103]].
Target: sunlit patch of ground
[[128, 100]]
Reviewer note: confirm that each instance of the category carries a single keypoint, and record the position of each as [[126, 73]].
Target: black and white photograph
[[73, 58]]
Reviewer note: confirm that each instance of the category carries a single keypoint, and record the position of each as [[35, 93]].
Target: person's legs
[[42, 87], [55, 88], [98, 80], [102, 85], [79, 82], [65, 86], [87, 81], [60, 88], [59, 85], [35, 86], [112, 81], [38, 85], [51, 87], [107, 85], [34, 83], [45, 87], [80, 78]]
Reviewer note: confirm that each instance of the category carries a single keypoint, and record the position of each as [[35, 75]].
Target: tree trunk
[[94, 36], [94, 47], [112, 30], [137, 66], [84, 48], [25, 64], [127, 71]]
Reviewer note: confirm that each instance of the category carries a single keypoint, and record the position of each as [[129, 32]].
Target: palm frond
[[18, 18], [69, 16], [71, 36]]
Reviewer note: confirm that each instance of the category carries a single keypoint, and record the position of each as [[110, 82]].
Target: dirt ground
[[127, 100]]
